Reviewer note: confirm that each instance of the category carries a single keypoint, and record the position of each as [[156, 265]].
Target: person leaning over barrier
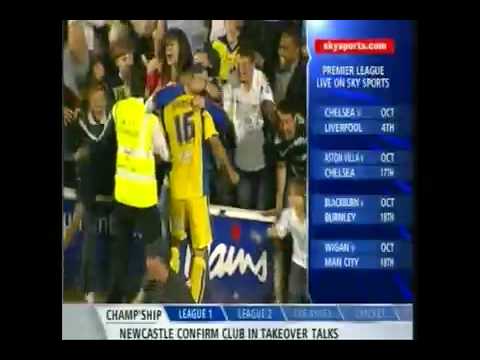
[[292, 221], [290, 151]]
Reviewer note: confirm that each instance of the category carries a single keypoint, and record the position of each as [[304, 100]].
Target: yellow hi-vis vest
[[135, 181], [228, 59]]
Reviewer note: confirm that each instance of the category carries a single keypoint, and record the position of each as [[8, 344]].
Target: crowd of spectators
[[257, 78]]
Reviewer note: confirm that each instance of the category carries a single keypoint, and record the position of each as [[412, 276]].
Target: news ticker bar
[[226, 322], [155, 322], [196, 313]]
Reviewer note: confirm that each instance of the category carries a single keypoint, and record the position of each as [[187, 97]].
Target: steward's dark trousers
[[126, 219], [93, 213]]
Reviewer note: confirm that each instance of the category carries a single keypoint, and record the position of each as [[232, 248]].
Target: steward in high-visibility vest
[[135, 181], [138, 136], [134, 136]]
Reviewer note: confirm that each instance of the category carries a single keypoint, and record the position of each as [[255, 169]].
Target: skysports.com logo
[[355, 46]]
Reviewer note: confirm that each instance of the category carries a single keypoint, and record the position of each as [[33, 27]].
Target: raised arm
[[281, 182], [268, 111], [266, 102], [159, 143], [77, 43]]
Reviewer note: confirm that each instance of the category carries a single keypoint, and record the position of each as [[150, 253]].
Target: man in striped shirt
[[290, 151], [291, 161]]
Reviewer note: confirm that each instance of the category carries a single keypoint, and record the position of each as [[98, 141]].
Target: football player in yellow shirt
[[190, 129]]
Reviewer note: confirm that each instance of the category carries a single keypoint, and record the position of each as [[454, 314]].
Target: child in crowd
[[292, 221]]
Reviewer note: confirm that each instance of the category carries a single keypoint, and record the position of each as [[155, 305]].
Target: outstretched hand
[[271, 212]]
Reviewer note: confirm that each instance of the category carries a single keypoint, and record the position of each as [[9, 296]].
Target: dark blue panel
[[356, 159]]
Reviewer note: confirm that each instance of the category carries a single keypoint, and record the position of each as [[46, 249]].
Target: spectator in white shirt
[[293, 222], [250, 107]]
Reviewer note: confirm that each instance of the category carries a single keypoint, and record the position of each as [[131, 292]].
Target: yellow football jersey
[[187, 129], [228, 57]]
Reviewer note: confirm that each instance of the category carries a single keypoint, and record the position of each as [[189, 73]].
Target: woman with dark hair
[[97, 77], [175, 56]]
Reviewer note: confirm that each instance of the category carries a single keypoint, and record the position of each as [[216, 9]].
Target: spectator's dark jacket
[[293, 152], [141, 45], [214, 59], [96, 172], [175, 291], [116, 84], [297, 87], [264, 37]]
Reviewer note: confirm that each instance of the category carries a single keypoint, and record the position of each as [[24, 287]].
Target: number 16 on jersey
[[185, 128]]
